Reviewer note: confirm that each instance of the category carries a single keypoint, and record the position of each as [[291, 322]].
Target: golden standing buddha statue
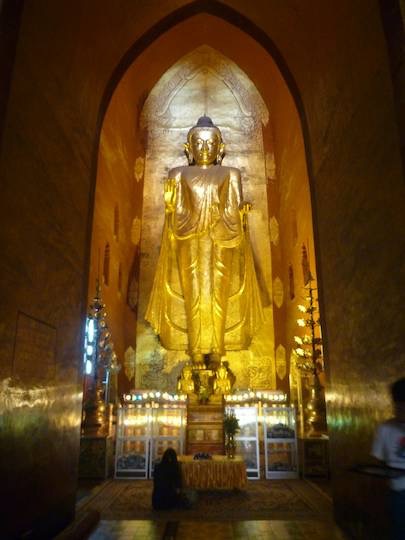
[[205, 298]]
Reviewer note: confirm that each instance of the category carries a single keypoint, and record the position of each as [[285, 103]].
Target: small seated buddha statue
[[185, 384], [222, 383]]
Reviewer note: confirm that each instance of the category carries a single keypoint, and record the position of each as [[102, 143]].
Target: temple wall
[[290, 222], [45, 173], [290, 186], [116, 223], [66, 53]]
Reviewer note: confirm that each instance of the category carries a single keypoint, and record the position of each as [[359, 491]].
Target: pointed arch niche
[[221, 71]]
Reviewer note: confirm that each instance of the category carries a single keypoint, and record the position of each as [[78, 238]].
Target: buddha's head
[[204, 145], [222, 372]]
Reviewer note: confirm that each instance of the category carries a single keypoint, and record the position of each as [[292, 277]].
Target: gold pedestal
[[96, 442], [315, 411], [314, 456], [205, 426], [96, 415], [96, 456]]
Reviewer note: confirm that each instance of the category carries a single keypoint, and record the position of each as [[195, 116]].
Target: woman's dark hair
[[398, 390], [169, 456]]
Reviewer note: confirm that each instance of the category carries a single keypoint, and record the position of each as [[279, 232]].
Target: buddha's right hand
[[170, 194], [244, 209]]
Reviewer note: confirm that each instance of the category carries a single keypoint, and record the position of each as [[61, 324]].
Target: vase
[[230, 446], [315, 410]]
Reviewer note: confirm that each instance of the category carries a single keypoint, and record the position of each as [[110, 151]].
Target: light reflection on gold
[[357, 407], [35, 399]]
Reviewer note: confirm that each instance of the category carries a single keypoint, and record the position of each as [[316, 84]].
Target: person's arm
[[378, 446]]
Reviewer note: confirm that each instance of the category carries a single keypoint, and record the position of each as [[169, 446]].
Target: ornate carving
[[260, 372], [205, 61], [129, 363]]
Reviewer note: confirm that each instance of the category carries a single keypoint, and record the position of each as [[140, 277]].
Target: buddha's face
[[205, 145]]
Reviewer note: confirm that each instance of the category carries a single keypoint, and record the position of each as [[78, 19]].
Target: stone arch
[[221, 11], [233, 18], [263, 85]]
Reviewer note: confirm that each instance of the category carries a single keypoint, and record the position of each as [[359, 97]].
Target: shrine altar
[[219, 472]]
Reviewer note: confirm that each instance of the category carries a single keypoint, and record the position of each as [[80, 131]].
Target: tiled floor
[[246, 530], [314, 525], [86, 488], [129, 530]]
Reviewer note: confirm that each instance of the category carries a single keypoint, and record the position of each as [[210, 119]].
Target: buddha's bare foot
[[198, 361], [215, 361]]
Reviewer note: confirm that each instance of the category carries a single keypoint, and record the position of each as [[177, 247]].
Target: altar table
[[219, 472]]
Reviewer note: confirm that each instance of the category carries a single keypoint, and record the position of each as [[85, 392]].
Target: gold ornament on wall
[[132, 298], [129, 363], [270, 166], [274, 231], [278, 292], [136, 231], [281, 362], [139, 168]]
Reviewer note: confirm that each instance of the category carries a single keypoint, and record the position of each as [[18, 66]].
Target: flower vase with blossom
[[231, 427], [309, 362]]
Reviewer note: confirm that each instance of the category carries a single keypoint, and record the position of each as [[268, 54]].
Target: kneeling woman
[[167, 482]]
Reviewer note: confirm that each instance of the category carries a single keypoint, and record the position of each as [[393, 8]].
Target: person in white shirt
[[389, 447]]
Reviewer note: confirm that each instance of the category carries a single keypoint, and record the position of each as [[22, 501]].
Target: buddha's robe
[[205, 298]]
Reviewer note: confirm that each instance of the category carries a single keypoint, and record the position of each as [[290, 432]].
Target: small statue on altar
[[185, 384], [205, 298], [222, 382], [231, 374]]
